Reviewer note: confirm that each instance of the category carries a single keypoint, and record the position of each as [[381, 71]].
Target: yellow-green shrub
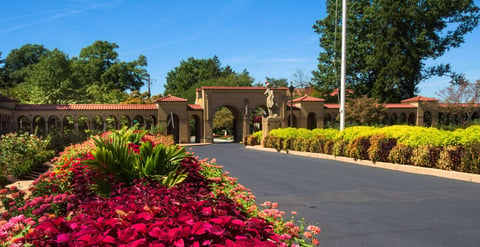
[[450, 158], [401, 154], [380, 147], [426, 156], [470, 159], [358, 148]]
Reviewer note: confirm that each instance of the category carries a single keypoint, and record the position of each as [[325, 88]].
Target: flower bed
[[162, 196], [21, 154], [457, 150]]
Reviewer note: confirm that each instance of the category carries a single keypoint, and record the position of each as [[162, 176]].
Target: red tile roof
[[88, 107], [418, 98], [335, 92], [195, 107], [307, 98], [332, 106], [399, 106], [170, 98]]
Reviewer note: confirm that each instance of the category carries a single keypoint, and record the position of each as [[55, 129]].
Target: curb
[[461, 176]]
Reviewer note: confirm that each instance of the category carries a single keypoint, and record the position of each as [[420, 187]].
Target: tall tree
[[388, 42], [195, 73], [19, 60], [191, 72], [99, 64], [50, 81]]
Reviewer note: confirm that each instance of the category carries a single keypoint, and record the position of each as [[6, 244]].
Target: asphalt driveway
[[357, 205]]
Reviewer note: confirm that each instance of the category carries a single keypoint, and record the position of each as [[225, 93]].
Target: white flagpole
[[344, 67]]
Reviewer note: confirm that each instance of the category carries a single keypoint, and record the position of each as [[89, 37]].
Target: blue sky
[[268, 38]]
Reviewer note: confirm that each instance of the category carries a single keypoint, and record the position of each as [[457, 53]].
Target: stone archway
[[195, 129], [173, 127]]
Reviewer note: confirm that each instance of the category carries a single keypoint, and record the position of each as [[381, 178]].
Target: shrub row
[[457, 150]]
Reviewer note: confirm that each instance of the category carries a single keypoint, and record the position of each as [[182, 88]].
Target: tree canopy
[[37, 75], [388, 42], [193, 73]]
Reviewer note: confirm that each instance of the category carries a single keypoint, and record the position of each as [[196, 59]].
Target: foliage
[[401, 154], [194, 73], [364, 111], [380, 147], [135, 97], [254, 139], [470, 158], [450, 158], [18, 61], [126, 156], [22, 153], [207, 208], [34, 74], [339, 147], [358, 148], [223, 120], [388, 43], [425, 155], [50, 81]]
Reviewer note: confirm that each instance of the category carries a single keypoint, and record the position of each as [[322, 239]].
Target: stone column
[[270, 124]]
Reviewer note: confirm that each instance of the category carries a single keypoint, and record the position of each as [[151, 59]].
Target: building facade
[[194, 122]]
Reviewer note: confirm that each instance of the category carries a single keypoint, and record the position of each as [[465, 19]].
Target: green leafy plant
[[124, 157]]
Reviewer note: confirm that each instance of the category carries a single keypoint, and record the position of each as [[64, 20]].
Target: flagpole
[[344, 67]]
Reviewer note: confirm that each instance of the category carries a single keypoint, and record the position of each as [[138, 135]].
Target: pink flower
[[307, 234], [314, 229]]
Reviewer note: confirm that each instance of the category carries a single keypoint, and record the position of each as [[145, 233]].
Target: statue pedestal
[[270, 124]]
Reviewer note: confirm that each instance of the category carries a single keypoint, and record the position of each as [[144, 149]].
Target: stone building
[[194, 122]]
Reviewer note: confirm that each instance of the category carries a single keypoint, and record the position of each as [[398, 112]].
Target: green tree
[[50, 80], [99, 64], [388, 42], [364, 111], [281, 82], [183, 80], [19, 61], [191, 72], [223, 120]]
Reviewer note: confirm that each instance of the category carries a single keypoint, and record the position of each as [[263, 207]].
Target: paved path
[[358, 205]]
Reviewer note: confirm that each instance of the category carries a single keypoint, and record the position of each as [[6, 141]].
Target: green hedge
[[457, 150]]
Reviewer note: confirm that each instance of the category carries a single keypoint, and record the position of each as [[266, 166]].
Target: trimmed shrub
[[450, 158], [287, 144], [358, 148], [302, 144], [426, 156], [470, 159], [328, 148], [401, 154], [339, 147], [317, 144], [251, 140], [380, 147]]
